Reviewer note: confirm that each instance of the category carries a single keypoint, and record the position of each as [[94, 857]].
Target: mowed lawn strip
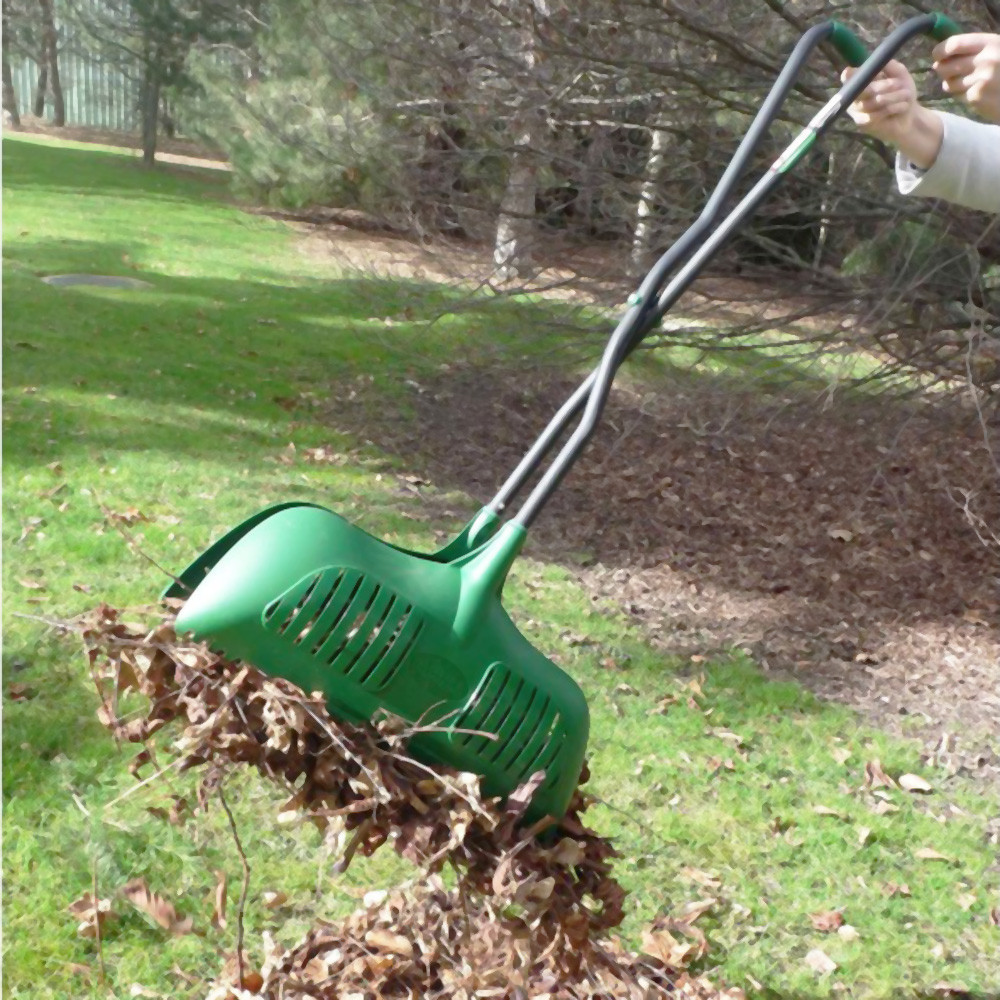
[[146, 423]]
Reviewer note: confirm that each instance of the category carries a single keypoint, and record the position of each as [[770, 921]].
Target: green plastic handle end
[[848, 44], [944, 27]]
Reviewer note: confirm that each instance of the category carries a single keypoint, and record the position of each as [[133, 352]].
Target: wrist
[[922, 140]]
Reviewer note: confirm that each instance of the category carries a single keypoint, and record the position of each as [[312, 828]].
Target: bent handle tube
[[851, 49], [847, 44], [622, 340], [944, 27]]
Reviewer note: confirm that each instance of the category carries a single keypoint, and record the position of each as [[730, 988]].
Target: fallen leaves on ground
[[820, 962], [875, 776], [827, 921], [930, 854], [533, 907], [92, 913], [157, 907], [914, 783]]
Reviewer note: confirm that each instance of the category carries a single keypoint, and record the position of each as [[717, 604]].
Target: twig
[[97, 920], [133, 545], [243, 891], [146, 781], [351, 849]]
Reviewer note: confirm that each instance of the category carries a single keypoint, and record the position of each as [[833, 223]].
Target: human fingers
[[884, 124], [955, 66], [884, 95], [958, 85], [961, 45], [893, 70], [884, 88]]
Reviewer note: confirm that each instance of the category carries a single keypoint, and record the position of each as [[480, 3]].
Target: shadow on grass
[[84, 172]]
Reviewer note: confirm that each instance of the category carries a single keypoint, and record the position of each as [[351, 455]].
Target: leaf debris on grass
[[531, 912]]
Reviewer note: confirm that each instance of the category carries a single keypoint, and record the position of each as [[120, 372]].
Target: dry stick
[[243, 891], [97, 920], [351, 849]]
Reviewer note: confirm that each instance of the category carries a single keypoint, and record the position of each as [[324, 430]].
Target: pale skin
[[968, 67]]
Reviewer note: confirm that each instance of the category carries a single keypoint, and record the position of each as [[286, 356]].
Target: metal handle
[[641, 314], [851, 48]]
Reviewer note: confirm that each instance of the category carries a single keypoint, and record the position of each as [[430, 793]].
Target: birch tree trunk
[[642, 238], [516, 219]]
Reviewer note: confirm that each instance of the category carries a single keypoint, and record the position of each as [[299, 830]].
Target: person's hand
[[969, 67], [889, 110]]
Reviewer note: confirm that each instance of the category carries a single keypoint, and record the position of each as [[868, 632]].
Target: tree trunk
[[50, 46], [642, 238], [150, 108], [516, 218], [41, 85], [9, 97]]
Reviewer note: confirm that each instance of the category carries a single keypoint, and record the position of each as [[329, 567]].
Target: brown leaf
[[690, 912], [131, 515], [914, 783], [21, 692], [219, 902], [820, 962], [156, 907], [702, 878], [674, 943], [995, 916], [951, 991], [929, 854], [272, 900], [893, 889], [92, 914], [827, 811], [966, 900], [385, 940], [883, 807], [875, 777], [827, 920], [568, 853], [31, 584], [521, 797]]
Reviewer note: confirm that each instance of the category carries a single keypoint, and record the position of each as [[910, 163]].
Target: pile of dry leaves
[[532, 907]]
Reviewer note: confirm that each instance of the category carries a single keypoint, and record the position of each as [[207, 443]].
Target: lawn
[[140, 425]]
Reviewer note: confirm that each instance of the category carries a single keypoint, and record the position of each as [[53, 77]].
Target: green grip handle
[[847, 44], [944, 27]]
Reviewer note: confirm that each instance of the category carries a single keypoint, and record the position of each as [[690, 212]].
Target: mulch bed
[[846, 543]]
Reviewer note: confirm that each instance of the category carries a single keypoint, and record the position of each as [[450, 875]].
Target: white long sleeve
[[966, 171]]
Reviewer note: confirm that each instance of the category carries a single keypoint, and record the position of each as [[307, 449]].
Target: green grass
[[178, 404]]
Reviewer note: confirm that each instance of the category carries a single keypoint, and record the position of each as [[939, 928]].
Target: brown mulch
[[844, 543]]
